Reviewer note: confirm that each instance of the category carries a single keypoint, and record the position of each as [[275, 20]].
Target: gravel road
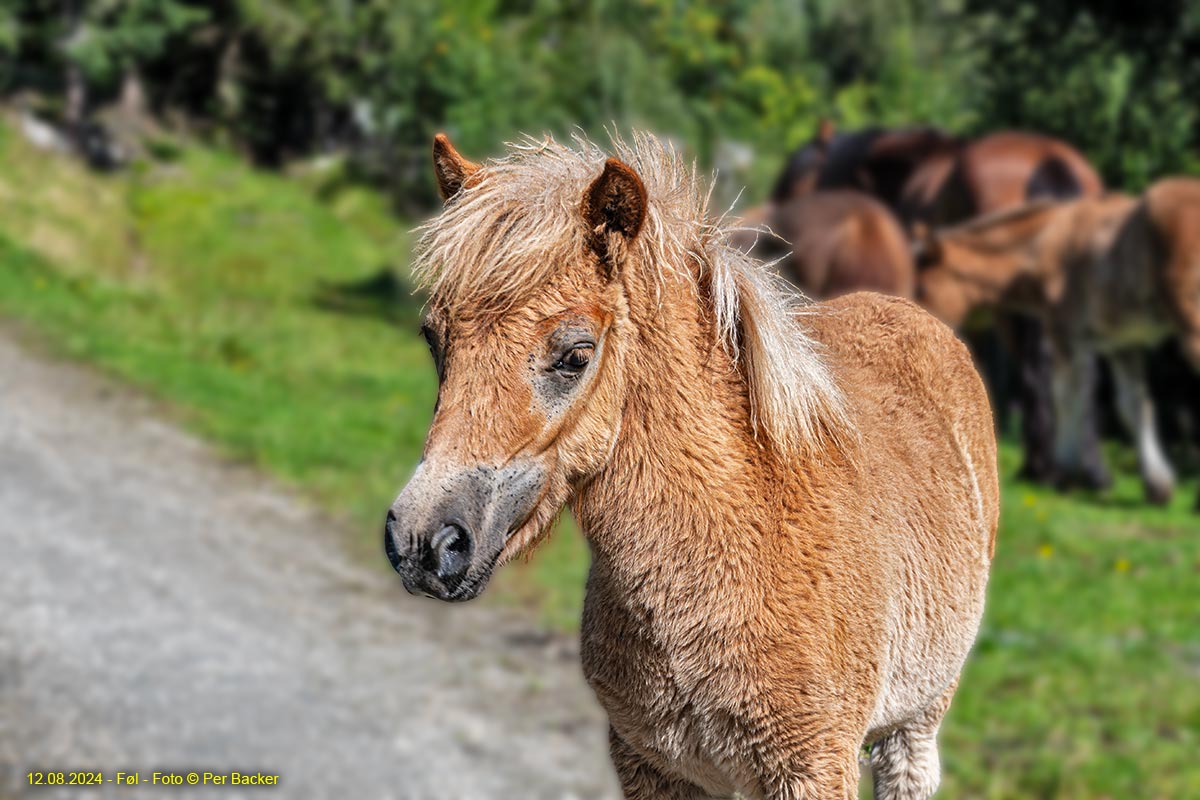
[[163, 610]]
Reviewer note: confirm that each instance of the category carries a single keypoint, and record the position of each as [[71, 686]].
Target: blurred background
[[213, 201]]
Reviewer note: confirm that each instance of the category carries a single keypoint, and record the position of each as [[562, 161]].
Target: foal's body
[[1114, 274], [775, 646], [791, 518]]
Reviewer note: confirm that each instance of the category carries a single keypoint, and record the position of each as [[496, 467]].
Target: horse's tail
[[1053, 179]]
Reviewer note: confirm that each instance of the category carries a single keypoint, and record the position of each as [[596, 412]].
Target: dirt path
[[161, 610]]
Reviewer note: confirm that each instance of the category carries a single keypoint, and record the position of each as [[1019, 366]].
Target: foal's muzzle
[[446, 530]]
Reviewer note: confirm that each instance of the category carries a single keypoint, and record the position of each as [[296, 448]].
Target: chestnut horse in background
[[1007, 169], [1110, 274], [930, 178], [791, 511], [832, 243]]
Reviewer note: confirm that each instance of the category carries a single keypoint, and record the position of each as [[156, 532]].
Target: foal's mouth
[[518, 536], [480, 576]]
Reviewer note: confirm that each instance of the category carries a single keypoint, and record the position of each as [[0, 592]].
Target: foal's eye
[[574, 360]]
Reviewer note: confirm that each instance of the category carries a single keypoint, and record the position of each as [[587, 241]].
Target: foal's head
[[523, 306], [556, 281]]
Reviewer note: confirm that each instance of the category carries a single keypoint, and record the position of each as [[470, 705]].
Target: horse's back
[[845, 241], [1174, 202], [1007, 168]]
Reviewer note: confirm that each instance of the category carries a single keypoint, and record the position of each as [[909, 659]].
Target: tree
[[110, 40]]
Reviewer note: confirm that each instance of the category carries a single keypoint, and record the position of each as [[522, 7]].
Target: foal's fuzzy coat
[[791, 511]]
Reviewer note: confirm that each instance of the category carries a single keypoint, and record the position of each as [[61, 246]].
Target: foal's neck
[[685, 481]]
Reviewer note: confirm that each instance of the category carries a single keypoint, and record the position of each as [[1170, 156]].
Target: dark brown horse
[[902, 167], [834, 242]]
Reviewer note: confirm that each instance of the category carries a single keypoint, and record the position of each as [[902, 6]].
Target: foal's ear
[[615, 202], [451, 168]]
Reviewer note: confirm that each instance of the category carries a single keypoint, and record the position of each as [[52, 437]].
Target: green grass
[[227, 292], [1085, 682]]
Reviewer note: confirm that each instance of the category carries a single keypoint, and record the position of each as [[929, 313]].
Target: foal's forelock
[[503, 237]]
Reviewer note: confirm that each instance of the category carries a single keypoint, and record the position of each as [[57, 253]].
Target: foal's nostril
[[450, 549], [451, 539], [389, 540]]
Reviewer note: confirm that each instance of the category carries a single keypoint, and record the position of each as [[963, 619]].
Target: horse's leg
[[905, 764], [1190, 344], [1035, 365], [830, 774], [1137, 412], [1035, 360], [1069, 385], [1093, 473], [640, 780]]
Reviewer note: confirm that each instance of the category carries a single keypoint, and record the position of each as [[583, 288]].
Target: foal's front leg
[[831, 775], [640, 780], [1137, 412], [834, 779]]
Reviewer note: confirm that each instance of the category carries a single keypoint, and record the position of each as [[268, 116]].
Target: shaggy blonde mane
[[502, 236]]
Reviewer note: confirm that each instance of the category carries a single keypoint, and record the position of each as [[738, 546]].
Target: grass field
[[264, 310]]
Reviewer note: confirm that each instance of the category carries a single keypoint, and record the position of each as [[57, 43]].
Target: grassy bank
[[272, 315]]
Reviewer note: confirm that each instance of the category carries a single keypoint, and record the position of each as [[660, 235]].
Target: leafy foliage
[[1115, 79], [113, 35], [285, 78]]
